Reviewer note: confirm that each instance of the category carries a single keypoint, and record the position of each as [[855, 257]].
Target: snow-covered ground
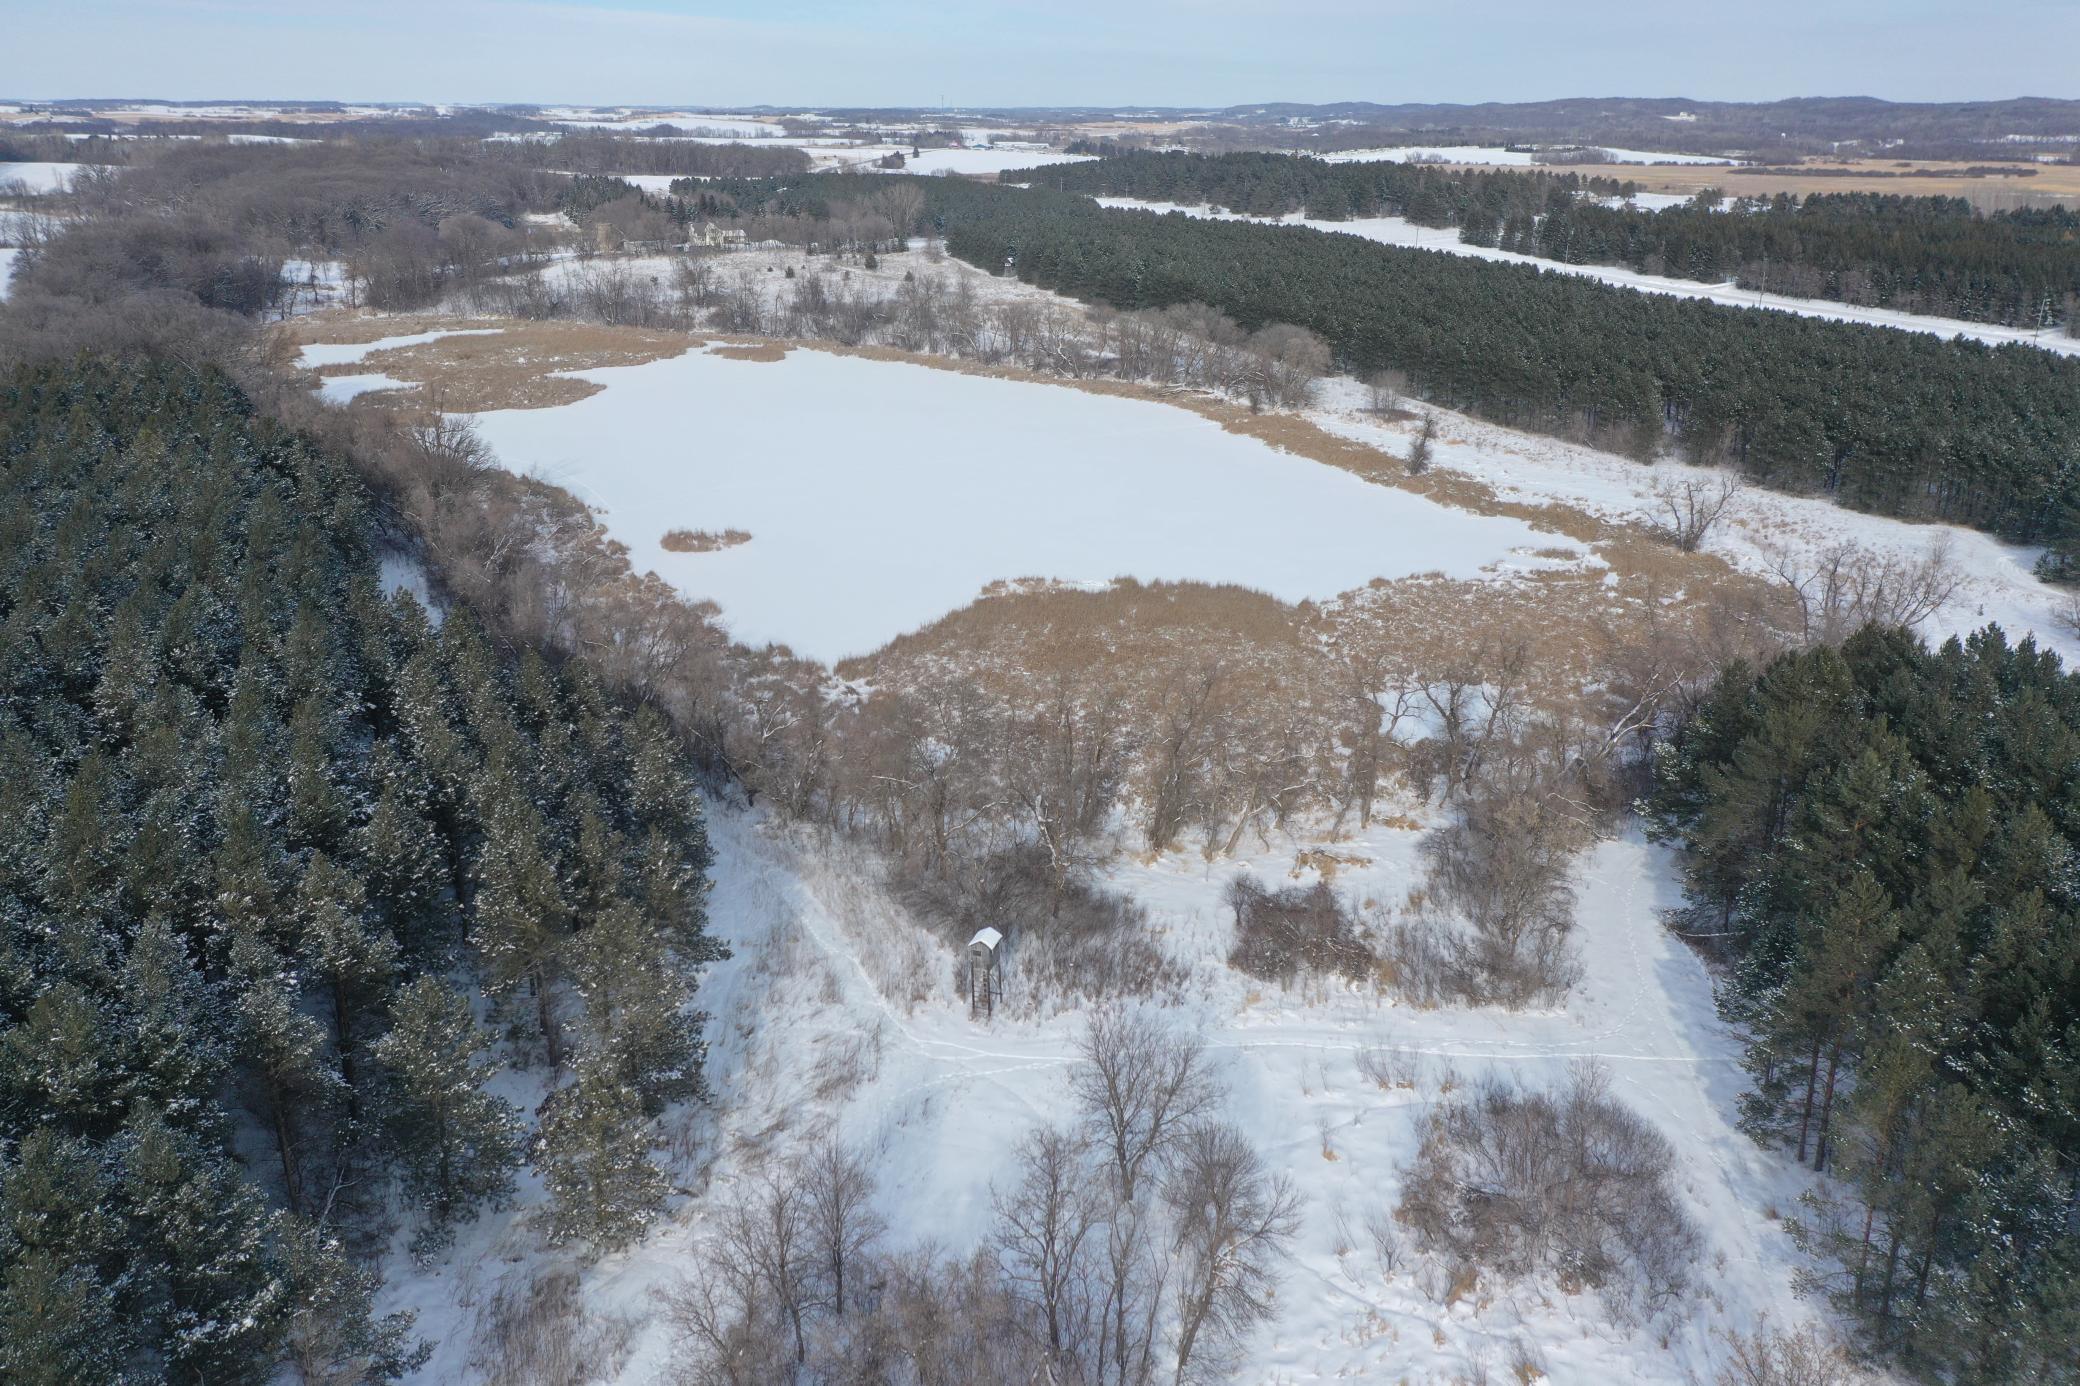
[[836, 1014], [882, 495], [7, 259], [1497, 155], [38, 178], [739, 127], [1402, 232], [1997, 581], [975, 162]]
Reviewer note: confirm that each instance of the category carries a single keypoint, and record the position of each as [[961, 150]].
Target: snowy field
[[1497, 155], [880, 496], [7, 259], [817, 1031], [977, 162], [38, 178], [651, 182], [737, 127], [1402, 232]]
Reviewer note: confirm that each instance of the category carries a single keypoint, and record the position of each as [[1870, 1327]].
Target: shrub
[[1280, 934], [1503, 865], [1569, 1183]]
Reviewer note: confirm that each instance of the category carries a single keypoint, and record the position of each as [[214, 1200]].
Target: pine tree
[[317, 806], [283, 1050], [61, 1321], [637, 1022], [334, 1336], [457, 1143], [64, 1062], [522, 919], [204, 1268], [594, 1155], [178, 1042], [402, 862], [80, 864], [352, 958]]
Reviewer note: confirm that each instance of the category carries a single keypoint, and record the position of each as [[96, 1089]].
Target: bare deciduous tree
[[1842, 587], [1687, 508], [765, 1250], [843, 1226], [1045, 1231], [1234, 1223], [1383, 391], [1503, 865], [1134, 1268], [1140, 1084]]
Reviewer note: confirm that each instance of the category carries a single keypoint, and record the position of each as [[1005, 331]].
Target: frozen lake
[[881, 495]]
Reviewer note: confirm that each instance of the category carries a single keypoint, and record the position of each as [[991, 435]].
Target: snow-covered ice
[[38, 178], [882, 495], [651, 182], [975, 162], [348, 353], [338, 389], [737, 127]]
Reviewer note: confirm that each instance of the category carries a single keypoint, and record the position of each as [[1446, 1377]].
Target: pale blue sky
[[1030, 52]]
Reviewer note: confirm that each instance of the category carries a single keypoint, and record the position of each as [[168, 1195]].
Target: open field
[[2014, 184]]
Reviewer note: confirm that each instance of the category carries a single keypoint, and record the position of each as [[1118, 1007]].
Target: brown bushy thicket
[[1502, 866], [1569, 1183], [1073, 942], [1282, 934]]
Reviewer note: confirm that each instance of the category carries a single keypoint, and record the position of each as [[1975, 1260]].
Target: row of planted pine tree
[[287, 872], [1934, 255]]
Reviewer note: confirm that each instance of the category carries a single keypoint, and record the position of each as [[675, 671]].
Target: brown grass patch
[[760, 351], [702, 540], [522, 366], [1326, 862]]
